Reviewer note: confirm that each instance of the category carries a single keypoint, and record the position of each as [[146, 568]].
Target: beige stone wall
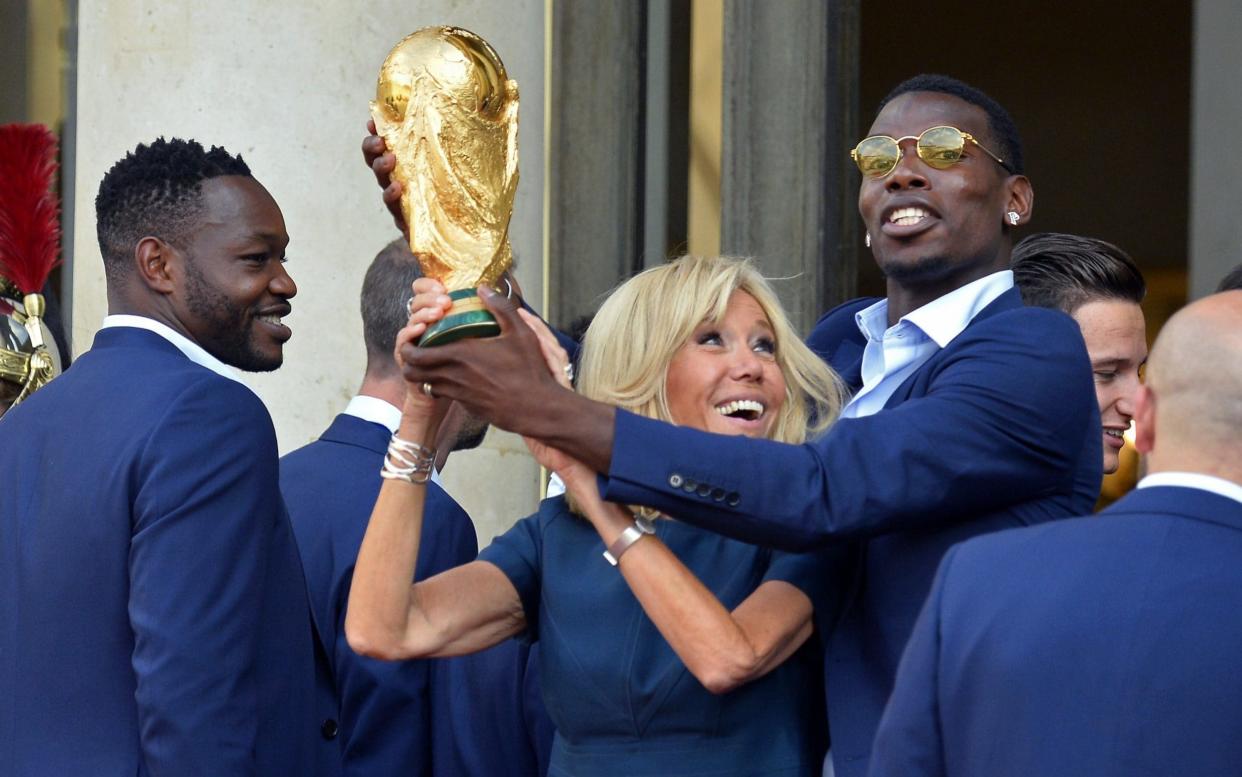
[[286, 83]]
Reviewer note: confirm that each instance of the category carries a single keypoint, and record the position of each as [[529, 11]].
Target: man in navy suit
[[1106, 645], [477, 715], [972, 413], [153, 613]]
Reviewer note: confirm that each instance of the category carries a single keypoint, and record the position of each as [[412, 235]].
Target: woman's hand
[[428, 305], [571, 471]]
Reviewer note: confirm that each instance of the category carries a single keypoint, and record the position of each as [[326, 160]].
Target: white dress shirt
[[893, 353], [192, 350], [384, 413], [1219, 486]]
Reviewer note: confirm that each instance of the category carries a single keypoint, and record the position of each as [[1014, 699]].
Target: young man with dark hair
[[971, 411], [153, 612], [1104, 646], [473, 716], [1099, 285]]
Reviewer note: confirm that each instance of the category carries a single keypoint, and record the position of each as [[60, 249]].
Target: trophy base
[[466, 318]]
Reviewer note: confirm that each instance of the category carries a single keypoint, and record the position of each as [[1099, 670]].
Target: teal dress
[[622, 701]]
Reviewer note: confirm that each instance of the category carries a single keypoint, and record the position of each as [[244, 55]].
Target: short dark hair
[[1056, 270], [385, 292], [1000, 124], [1232, 280], [155, 190]]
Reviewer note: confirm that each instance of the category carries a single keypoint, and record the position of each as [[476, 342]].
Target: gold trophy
[[449, 113]]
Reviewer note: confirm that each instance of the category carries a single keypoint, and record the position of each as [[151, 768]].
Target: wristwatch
[[633, 533]]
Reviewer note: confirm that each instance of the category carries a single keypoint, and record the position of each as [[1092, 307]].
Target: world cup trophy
[[449, 114]]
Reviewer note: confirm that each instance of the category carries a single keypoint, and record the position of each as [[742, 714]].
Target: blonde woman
[[670, 653]]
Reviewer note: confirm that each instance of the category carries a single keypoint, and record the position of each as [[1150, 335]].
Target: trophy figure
[[449, 114]]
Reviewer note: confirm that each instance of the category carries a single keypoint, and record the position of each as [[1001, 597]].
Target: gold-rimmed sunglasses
[[939, 147]]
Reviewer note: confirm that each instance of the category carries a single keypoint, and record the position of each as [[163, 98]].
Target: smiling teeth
[[1113, 432], [738, 405], [906, 217], [271, 319]]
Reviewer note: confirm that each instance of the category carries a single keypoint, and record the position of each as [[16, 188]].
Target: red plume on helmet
[[29, 211], [29, 248]]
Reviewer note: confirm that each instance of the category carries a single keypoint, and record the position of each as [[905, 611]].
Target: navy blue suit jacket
[[1101, 646], [405, 718], [153, 613], [998, 429]]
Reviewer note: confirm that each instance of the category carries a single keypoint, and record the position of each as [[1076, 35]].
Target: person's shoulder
[[313, 451], [1025, 323], [836, 327], [553, 516], [1053, 543], [228, 396], [221, 415], [554, 511], [843, 314], [441, 503], [1024, 335]]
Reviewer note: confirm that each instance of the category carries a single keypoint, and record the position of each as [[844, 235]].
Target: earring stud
[[867, 239], [1013, 217]]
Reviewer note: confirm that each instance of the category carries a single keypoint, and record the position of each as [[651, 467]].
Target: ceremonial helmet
[[29, 248]]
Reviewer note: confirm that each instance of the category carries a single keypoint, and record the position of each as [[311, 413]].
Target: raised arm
[[458, 611], [1005, 422]]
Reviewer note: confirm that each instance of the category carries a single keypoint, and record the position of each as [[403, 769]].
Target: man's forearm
[[581, 427]]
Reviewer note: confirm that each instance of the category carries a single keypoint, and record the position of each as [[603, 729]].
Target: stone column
[[597, 136], [1216, 113], [787, 191]]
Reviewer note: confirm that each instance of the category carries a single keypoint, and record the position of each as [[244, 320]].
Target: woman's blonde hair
[[646, 320]]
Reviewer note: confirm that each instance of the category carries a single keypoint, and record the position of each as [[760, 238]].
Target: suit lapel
[[1008, 300]]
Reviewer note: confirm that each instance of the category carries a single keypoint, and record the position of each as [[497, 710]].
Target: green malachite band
[[455, 326]]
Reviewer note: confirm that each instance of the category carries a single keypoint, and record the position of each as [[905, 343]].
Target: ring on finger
[[427, 390], [409, 306]]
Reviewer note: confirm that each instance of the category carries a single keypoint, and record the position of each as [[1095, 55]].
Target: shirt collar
[[943, 318], [375, 410], [192, 350], [1220, 486]]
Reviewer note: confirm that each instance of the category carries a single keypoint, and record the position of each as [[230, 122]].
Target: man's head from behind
[[939, 203], [1101, 287], [191, 239], [385, 291], [1189, 412]]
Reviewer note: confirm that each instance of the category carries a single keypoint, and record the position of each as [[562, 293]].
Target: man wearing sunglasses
[[971, 413]]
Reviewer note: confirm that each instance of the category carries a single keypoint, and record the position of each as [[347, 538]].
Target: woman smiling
[[671, 653]]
